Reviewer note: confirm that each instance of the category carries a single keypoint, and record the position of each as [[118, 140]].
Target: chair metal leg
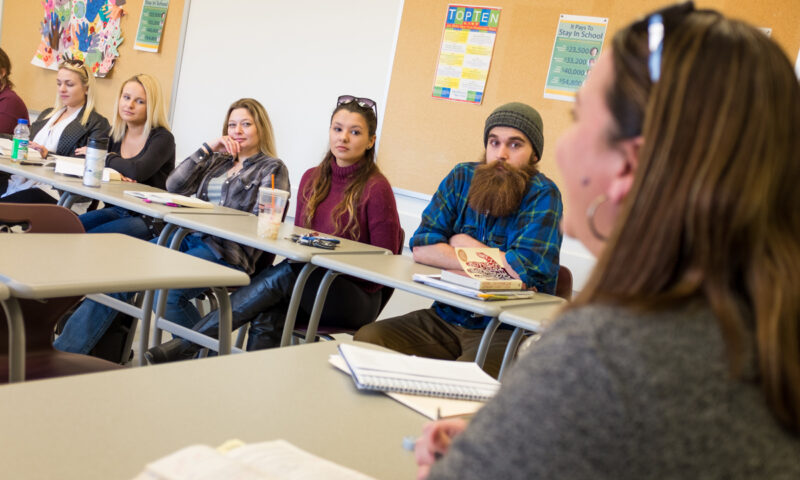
[[16, 340], [294, 303], [486, 340], [242, 335], [225, 320], [511, 349], [155, 337], [319, 304]]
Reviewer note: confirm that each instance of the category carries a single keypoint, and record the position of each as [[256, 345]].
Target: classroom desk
[[243, 230], [110, 424], [108, 192], [41, 265], [396, 271], [526, 318]]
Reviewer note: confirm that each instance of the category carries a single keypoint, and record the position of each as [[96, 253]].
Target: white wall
[[295, 57]]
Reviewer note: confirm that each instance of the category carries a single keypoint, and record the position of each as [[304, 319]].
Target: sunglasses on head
[[362, 102], [656, 24], [74, 62]]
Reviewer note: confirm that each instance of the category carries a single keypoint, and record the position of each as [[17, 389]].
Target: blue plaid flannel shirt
[[530, 238]]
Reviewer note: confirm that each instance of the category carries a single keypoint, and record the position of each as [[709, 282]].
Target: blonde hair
[[713, 214], [87, 80], [156, 111], [266, 139]]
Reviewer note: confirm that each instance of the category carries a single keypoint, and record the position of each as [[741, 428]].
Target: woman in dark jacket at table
[[345, 195], [227, 171], [61, 129], [142, 150]]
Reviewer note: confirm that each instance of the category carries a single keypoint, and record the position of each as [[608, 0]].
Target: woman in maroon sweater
[[345, 195], [12, 108]]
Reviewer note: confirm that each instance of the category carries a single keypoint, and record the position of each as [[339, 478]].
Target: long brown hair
[[318, 189], [5, 64], [714, 212]]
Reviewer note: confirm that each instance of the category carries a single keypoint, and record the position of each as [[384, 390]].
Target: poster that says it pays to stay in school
[[466, 53], [578, 43]]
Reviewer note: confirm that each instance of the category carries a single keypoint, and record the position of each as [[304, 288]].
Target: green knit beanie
[[520, 116]]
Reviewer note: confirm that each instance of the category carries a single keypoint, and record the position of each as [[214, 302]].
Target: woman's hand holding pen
[[225, 144], [434, 442]]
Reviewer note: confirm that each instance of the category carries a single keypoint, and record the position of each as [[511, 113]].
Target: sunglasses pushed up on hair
[[362, 102], [656, 25]]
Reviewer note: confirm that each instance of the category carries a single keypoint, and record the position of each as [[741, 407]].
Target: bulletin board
[[423, 137], [37, 86]]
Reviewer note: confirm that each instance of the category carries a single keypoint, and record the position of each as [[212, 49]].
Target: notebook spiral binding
[[419, 387]]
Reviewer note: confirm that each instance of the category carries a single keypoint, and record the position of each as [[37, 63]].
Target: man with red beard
[[502, 202]]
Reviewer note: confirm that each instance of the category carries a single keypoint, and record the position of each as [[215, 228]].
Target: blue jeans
[[115, 220], [91, 320]]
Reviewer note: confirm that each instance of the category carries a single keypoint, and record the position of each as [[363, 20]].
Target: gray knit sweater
[[608, 393]]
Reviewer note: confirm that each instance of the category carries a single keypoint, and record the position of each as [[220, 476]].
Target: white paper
[[277, 459]]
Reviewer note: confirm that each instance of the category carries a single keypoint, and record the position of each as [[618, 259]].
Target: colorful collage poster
[[85, 30], [578, 43], [466, 53], [151, 25]]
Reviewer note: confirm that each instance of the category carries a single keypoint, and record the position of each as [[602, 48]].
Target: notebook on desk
[[169, 199], [396, 372]]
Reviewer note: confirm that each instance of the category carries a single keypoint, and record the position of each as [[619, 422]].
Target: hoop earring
[[590, 212]]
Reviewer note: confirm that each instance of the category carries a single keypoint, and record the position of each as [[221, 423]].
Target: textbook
[[436, 281], [75, 166], [396, 372], [274, 460], [481, 269], [460, 277], [169, 199]]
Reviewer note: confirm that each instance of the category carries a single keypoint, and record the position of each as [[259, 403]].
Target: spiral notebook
[[395, 372]]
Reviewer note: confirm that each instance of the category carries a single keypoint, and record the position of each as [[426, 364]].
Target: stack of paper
[[278, 459]]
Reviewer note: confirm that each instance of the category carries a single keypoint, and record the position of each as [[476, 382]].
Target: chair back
[[564, 283], [40, 218], [42, 360]]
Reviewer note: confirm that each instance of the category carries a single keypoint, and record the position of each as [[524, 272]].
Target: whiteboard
[[295, 57]]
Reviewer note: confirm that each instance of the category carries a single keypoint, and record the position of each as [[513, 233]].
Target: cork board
[[423, 137], [37, 86]]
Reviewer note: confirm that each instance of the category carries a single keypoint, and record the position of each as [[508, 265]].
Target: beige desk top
[[243, 230], [533, 318], [39, 265], [397, 271], [108, 192], [109, 425]]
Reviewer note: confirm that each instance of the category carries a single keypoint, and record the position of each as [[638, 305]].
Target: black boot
[[267, 328], [270, 287]]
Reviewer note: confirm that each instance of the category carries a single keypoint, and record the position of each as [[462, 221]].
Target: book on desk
[[169, 199], [71, 166], [482, 276], [273, 460]]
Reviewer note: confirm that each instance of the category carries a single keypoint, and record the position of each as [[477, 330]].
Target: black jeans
[[265, 302]]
